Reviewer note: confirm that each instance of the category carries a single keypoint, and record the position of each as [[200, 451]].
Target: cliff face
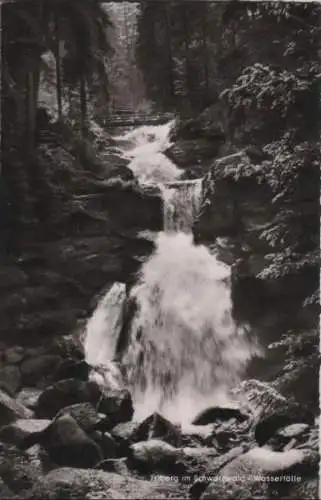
[[48, 284], [236, 210]]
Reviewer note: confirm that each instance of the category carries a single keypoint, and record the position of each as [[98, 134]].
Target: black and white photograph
[[160, 249]]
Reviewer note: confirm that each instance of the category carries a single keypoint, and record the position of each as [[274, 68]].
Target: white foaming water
[[184, 351], [104, 326], [144, 146]]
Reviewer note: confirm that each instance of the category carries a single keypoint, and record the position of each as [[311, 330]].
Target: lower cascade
[[184, 351]]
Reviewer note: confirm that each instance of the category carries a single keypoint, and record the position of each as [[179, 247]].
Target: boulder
[[117, 405], [293, 430], [28, 397], [10, 379], [93, 484], [11, 410], [157, 427], [289, 436], [66, 444], [35, 371], [16, 432], [67, 346], [211, 415], [154, 455], [243, 478], [122, 433], [14, 355], [72, 368], [117, 465], [187, 153], [86, 417]]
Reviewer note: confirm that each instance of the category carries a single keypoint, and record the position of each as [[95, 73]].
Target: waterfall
[[182, 201], [103, 328], [184, 351]]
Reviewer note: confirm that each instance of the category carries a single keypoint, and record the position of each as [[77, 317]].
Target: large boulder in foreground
[[17, 432], [91, 484], [157, 427], [66, 443], [256, 474], [154, 455]]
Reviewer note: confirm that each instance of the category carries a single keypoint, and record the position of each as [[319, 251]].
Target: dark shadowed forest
[[159, 249]]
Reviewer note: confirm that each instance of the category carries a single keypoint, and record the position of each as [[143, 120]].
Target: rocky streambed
[[67, 430]]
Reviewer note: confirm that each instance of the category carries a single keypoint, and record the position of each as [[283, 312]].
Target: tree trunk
[[58, 70], [186, 45], [83, 106], [31, 88], [171, 84], [205, 52]]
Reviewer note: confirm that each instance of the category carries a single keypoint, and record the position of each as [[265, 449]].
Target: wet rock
[[242, 474], [122, 433], [28, 397], [14, 355], [289, 436], [293, 430], [67, 347], [16, 432], [190, 152], [16, 469], [117, 465], [11, 410], [86, 417], [35, 371], [91, 484], [156, 426], [211, 415], [117, 405], [10, 379], [267, 427], [72, 368], [67, 444], [154, 455]]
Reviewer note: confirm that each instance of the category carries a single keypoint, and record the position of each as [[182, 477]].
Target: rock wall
[[49, 285], [235, 211]]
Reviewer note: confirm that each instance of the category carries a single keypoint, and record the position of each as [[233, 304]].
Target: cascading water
[[184, 350], [103, 328], [182, 202]]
